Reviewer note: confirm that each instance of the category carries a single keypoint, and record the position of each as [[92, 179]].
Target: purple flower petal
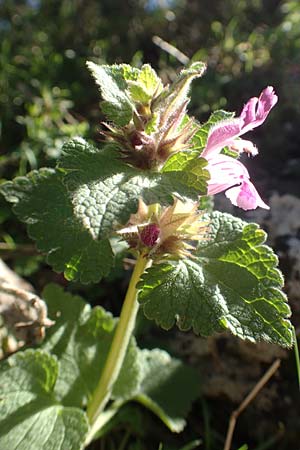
[[243, 145], [253, 114], [245, 196], [221, 135], [256, 109], [248, 114], [228, 174], [224, 173]]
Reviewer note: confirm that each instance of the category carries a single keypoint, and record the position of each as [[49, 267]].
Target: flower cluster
[[159, 127], [227, 173], [174, 230], [145, 150]]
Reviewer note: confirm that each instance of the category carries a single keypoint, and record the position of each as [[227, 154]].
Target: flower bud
[[172, 231], [149, 234]]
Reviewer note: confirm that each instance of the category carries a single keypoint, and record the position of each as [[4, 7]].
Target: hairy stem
[[119, 345]]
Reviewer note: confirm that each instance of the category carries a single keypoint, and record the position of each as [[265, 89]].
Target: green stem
[[119, 345], [297, 359], [102, 420]]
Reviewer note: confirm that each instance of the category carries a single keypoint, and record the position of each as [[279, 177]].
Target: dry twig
[[8, 250], [169, 48], [253, 393]]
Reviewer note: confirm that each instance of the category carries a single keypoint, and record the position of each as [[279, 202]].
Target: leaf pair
[[231, 283], [73, 211], [125, 88]]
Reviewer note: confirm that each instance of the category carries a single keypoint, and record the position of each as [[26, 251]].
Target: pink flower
[[245, 196], [227, 172], [253, 114]]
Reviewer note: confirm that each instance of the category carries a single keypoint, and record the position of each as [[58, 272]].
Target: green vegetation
[[47, 99]]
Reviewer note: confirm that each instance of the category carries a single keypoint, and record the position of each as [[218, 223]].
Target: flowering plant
[[144, 191], [226, 172]]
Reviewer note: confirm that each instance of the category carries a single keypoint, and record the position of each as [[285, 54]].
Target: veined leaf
[[117, 105], [146, 85], [232, 282], [160, 390], [30, 416], [191, 169], [72, 211], [43, 202], [105, 191], [176, 292], [81, 339]]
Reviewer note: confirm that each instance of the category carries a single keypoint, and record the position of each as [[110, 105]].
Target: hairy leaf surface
[[232, 282], [190, 168], [146, 85], [105, 191], [30, 416], [72, 211], [117, 105], [43, 202], [80, 339], [173, 98]]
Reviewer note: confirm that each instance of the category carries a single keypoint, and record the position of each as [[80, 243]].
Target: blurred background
[[47, 95]]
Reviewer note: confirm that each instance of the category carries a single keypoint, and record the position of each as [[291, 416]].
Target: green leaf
[[206, 203], [117, 106], [81, 339], [176, 292], [181, 85], [105, 191], [72, 211], [231, 282], [128, 72], [191, 170], [196, 68], [149, 79], [172, 99], [43, 202], [161, 389], [138, 93], [30, 416], [146, 85], [200, 138], [152, 124], [129, 416], [130, 376]]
